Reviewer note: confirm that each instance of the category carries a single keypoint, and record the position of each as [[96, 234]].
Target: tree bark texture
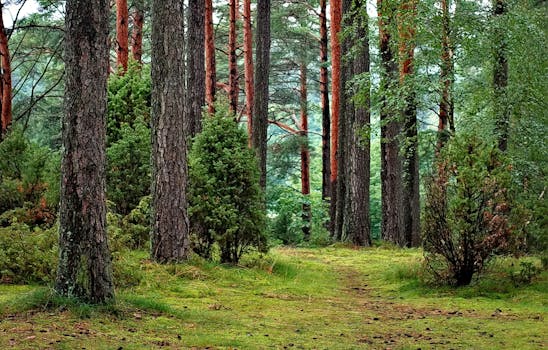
[[211, 70], [122, 36], [359, 229], [391, 168], [84, 260], [260, 107], [340, 200], [324, 97], [170, 225], [446, 124], [5, 79], [305, 155], [137, 30], [233, 78], [500, 76], [410, 145], [196, 76], [248, 68], [336, 18]]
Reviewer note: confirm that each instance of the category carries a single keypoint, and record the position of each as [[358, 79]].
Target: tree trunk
[[446, 76], [260, 108], [410, 147], [346, 113], [305, 155], [248, 68], [84, 260], [391, 189], [233, 59], [170, 225], [210, 66], [359, 231], [137, 33], [196, 76], [5, 82], [122, 35], [336, 18], [500, 76], [324, 97]]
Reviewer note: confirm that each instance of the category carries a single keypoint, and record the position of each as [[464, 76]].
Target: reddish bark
[[305, 155], [5, 83], [122, 35], [324, 97], [248, 67], [232, 59], [336, 17], [137, 33], [211, 76]]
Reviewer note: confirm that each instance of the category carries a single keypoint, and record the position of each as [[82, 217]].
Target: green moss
[[329, 298]]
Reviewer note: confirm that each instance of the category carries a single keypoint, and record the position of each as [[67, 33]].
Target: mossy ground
[[329, 298]]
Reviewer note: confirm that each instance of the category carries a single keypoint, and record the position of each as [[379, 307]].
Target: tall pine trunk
[[122, 35], [346, 111], [196, 76], [5, 79], [324, 97], [336, 18], [248, 68], [500, 76], [359, 231], [233, 58], [260, 107], [84, 260], [446, 124], [410, 146], [305, 155], [391, 168], [210, 66], [170, 224], [137, 32]]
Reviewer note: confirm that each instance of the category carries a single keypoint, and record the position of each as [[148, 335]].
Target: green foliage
[[27, 255], [128, 171], [526, 273], [128, 138], [226, 201], [286, 222], [30, 178], [128, 100], [468, 210]]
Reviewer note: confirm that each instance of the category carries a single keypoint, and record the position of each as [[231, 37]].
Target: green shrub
[[468, 210], [128, 138], [128, 100], [10, 195], [30, 177], [128, 170], [27, 255], [226, 201]]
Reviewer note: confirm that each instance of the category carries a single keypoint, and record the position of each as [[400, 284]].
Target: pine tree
[[5, 79], [170, 225], [260, 108], [84, 259], [122, 35]]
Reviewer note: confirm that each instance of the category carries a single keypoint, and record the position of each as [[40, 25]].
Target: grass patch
[[321, 298]]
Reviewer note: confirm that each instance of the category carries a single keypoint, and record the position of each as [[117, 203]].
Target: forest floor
[[328, 298]]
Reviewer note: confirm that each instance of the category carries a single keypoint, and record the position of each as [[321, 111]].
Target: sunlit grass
[[324, 298]]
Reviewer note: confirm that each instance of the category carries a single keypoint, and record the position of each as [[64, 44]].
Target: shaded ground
[[331, 298]]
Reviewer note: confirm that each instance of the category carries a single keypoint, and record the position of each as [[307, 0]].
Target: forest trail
[[293, 298]]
